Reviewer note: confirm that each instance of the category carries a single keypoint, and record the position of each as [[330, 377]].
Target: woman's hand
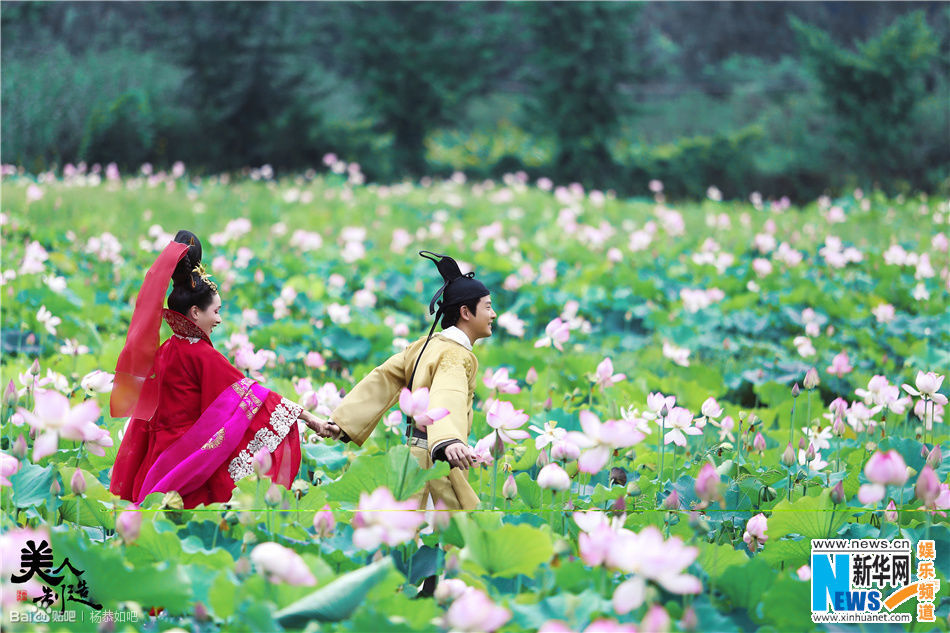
[[323, 428]]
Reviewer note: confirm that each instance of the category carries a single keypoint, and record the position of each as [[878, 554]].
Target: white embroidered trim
[[454, 334], [281, 420], [190, 339]]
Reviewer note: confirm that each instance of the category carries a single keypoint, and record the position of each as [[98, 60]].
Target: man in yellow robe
[[446, 365]]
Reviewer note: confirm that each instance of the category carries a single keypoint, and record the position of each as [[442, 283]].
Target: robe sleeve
[[449, 389], [364, 406]]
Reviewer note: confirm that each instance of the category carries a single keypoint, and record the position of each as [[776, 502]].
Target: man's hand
[[323, 428], [459, 455]]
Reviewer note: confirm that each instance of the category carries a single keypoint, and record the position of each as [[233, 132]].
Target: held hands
[[323, 428], [459, 455]]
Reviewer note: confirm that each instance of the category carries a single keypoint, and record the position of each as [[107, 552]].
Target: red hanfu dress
[[208, 423]]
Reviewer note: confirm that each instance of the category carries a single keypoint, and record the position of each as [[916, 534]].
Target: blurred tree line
[[782, 98]]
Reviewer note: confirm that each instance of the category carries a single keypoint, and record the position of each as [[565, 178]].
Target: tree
[[581, 59], [416, 61], [872, 90]]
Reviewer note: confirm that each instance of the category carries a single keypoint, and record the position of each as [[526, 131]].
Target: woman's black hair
[[188, 286], [453, 313]]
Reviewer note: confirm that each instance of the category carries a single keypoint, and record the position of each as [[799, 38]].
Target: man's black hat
[[458, 288]]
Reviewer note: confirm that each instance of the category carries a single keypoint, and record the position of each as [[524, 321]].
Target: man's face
[[480, 322]]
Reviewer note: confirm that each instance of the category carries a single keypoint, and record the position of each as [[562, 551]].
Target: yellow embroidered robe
[[448, 369]]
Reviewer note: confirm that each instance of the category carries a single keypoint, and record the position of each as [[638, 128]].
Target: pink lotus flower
[[604, 625], [129, 523], [759, 443], [249, 360], [415, 404], [754, 535], [927, 387], [709, 410], [381, 519], [531, 377], [556, 333], [663, 561], [656, 620], [506, 420], [679, 421], [78, 482], [708, 485], [804, 573], [600, 440], [393, 422], [840, 365], [725, 428], [927, 488], [883, 469], [474, 612], [262, 462], [9, 465], [281, 564], [629, 595], [550, 434], [482, 450], [500, 382], [323, 522], [605, 376], [12, 542], [598, 536], [656, 402], [314, 360], [53, 415], [97, 381], [553, 477]]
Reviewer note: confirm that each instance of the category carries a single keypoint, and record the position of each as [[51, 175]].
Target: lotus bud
[[838, 427], [20, 448], [795, 390], [548, 404], [543, 459], [672, 501], [689, 621], [665, 411], [890, 512], [498, 447], [531, 377], [767, 493], [633, 489], [788, 457], [262, 462], [242, 566], [55, 488], [273, 495], [78, 483], [759, 442], [619, 506], [811, 379], [510, 489], [802, 444], [810, 452], [927, 488], [249, 538], [10, 396], [837, 494], [324, 522], [128, 524], [34, 369], [934, 458], [201, 612]]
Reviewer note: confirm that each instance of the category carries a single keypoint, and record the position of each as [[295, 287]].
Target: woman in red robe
[[196, 420]]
